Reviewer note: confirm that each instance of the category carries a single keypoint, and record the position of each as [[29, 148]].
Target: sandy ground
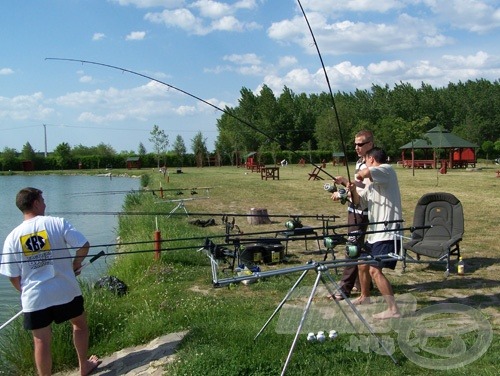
[[146, 359]]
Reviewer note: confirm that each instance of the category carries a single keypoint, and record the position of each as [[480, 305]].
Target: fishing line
[[226, 111], [329, 87]]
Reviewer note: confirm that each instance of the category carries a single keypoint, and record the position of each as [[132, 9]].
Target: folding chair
[[439, 226]]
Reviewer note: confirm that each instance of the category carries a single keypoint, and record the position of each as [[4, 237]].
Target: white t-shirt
[[37, 250], [383, 200], [360, 185]]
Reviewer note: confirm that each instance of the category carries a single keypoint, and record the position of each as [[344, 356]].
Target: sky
[[213, 49]]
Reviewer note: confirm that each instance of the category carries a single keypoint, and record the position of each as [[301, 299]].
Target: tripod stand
[[180, 205], [323, 275]]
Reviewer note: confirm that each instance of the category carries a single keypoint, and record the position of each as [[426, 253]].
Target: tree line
[[300, 122], [293, 126], [104, 156]]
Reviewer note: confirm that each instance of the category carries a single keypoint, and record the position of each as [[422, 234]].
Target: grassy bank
[[176, 294]]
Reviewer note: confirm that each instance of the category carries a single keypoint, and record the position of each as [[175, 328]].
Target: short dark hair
[[378, 154], [366, 134], [26, 197]]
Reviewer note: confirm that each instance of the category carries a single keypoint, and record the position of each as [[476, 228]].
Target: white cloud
[[181, 18], [287, 61], [205, 16], [136, 35], [336, 6], [386, 67], [150, 3], [85, 79], [243, 59], [212, 9], [478, 16], [98, 36], [346, 37], [6, 71], [25, 107]]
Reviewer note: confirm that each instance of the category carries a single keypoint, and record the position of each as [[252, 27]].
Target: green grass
[[175, 293]]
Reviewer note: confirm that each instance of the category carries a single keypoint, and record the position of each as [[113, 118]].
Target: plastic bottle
[[461, 267]]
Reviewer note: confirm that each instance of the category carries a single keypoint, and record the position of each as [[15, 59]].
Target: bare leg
[[42, 339], [81, 342], [364, 281], [385, 289]]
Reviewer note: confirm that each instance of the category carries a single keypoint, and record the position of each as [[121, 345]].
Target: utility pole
[[45, 137]]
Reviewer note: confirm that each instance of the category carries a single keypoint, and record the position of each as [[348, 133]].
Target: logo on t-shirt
[[36, 247], [35, 243]]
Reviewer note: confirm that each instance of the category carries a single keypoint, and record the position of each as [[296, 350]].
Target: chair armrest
[[452, 241]]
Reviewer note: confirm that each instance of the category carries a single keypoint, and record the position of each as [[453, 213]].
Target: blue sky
[[212, 49]]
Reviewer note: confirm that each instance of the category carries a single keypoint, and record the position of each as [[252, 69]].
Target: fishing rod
[[311, 216], [102, 253], [132, 191], [225, 111]]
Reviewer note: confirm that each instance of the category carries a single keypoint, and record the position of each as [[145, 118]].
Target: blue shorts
[[58, 314], [381, 249]]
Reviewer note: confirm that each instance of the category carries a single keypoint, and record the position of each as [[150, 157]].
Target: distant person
[[37, 260], [357, 217], [383, 199]]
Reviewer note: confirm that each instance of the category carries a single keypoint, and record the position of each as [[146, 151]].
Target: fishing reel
[[353, 245], [342, 192], [332, 241], [293, 223]]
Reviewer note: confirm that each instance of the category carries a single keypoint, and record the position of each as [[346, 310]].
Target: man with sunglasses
[[357, 218]]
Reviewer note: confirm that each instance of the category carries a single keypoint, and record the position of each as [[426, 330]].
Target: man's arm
[[16, 282], [80, 256]]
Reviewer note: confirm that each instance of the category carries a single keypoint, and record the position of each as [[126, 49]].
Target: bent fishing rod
[[102, 253], [225, 111]]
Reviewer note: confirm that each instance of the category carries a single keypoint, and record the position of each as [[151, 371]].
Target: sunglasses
[[361, 144]]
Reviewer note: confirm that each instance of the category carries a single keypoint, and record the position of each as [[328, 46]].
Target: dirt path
[[144, 360]]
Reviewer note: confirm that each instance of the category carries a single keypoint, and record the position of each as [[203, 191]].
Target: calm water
[[70, 195]]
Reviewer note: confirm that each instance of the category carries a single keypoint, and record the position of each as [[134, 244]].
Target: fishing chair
[[438, 224]]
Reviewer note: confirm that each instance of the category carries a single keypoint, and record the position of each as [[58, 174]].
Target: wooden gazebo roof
[[439, 138]]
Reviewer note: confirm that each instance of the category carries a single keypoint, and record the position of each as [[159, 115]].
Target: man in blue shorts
[[37, 260], [383, 199]]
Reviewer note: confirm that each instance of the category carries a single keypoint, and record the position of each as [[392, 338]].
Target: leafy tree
[[28, 154], [160, 142], [180, 148], [141, 150], [488, 147], [104, 150], [199, 147], [497, 146], [9, 158], [62, 154], [80, 151]]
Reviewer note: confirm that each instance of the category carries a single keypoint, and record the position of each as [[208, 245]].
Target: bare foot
[[90, 365], [362, 300], [388, 314]]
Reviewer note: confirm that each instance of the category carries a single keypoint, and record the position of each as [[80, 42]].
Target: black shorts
[[58, 314], [381, 249]]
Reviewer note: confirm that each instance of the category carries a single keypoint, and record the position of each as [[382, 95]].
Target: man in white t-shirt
[[383, 199], [37, 260]]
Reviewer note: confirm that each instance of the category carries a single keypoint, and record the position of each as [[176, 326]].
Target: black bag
[[112, 284]]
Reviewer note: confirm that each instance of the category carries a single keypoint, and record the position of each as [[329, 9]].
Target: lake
[[70, 195]]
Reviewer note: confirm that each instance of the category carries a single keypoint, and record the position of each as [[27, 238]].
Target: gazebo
[[460, 153]]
